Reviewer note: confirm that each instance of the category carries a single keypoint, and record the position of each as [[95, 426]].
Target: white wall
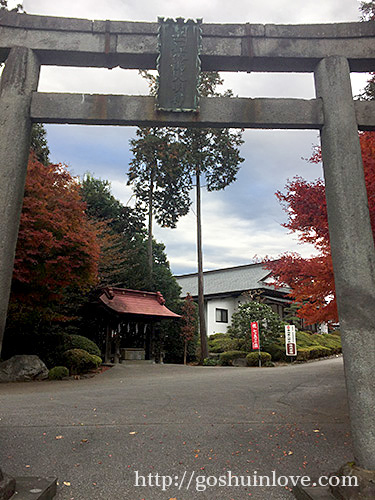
[[228, 303]]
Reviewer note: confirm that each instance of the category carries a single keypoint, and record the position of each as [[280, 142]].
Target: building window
[[221, 315]]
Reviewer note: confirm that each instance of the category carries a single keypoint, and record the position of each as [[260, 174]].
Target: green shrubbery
[[58, 373], [210, 362], [252, 358], [303, 354], [80, 342], [226, 358], [313, 352], [222, 342], [309, 346], [79, 361], [277, 352], [269, 364], [50, 347]]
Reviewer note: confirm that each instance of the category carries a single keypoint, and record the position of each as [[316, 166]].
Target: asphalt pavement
[[176, 430]]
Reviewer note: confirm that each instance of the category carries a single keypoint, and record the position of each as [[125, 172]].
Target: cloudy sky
[[245, 219]]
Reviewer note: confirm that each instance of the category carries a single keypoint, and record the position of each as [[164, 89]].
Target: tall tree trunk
[[202, 320], [185, 351], [149, 239]]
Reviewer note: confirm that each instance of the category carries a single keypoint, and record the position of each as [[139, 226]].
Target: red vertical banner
[[255, 334]]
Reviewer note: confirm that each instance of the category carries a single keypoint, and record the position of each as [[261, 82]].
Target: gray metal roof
[[229, 280]]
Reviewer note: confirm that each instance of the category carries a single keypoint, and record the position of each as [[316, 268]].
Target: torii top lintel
[[225, 47]]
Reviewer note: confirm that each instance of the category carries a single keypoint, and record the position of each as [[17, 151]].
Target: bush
[[79, 361], [303, 354], [306, 339], [226, 358], [210, 362], [222, 342], [269, 364], [58, 373], [97, 359], [252, 358], [332, 342], [312, 352], [50, 347], [277, 352], [81, 342], [319, 352]]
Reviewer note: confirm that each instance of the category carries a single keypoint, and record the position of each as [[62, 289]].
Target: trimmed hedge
[[50, 347], [313, 352], [58, 373], [210, 362], [269, 364], [309, 346], [81, 342], [79, 361], [222, 342], [226, 358], [303, 354], [277, 352], [252, 358]]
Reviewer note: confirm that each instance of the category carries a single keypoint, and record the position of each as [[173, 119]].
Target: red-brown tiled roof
[[126, 301]]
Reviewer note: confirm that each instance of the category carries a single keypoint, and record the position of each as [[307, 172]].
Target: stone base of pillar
[[7, 486], [312, 493], [365, 489], [27, 488]]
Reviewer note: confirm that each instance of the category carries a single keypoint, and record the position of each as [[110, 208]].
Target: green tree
[[367, 10], [123, 252], [4, 5], [368, 14], [103, 206], [214, 155], [192, 155], [291, 317], [39, 144], [156, 174], [270, 325]]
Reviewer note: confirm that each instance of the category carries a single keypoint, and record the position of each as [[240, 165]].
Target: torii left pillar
[[19, 80]]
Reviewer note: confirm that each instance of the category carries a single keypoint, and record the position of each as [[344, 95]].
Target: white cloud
[[236, 11], [244, 220], [227, 240]]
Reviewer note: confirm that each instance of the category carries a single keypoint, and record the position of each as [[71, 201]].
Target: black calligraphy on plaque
[[178, 65]]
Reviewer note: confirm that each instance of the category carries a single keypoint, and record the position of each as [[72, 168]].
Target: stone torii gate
[[330, 51]]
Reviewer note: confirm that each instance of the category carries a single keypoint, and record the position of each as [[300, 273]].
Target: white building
[[224, 289]]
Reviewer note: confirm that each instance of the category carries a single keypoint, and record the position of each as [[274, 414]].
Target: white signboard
[[290, 340]]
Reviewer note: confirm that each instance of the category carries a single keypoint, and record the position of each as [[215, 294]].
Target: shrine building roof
[[125, 301]]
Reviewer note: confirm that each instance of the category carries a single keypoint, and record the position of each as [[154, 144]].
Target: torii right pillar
[[352, 247]]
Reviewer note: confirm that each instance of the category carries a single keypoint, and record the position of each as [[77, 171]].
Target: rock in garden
[[22, 368]]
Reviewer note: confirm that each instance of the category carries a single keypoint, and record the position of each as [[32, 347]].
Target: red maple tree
[[57, 248], [311, 280]]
